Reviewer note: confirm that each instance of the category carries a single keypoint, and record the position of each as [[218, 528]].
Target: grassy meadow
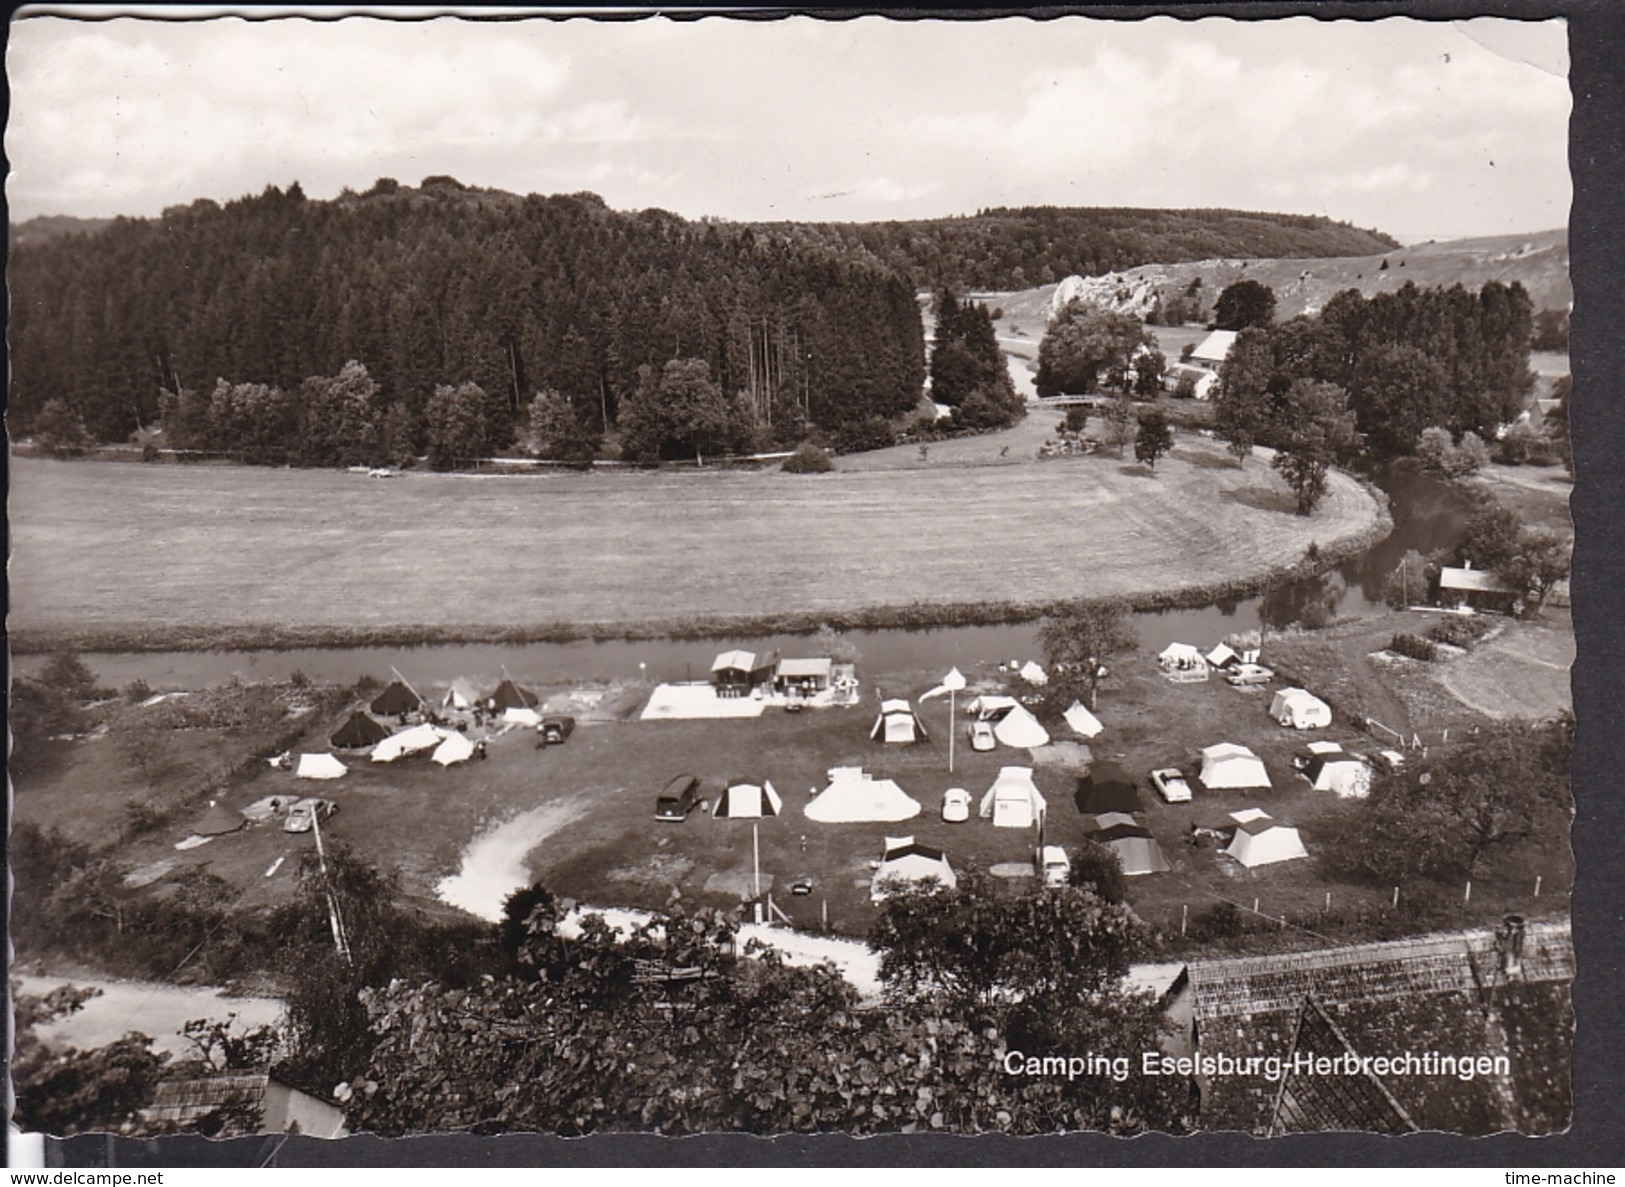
[[109, 553]]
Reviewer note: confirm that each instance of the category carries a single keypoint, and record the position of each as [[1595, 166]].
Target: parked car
[[678, 799], [1053, 865], [802, 885], [1243, 674], [1390, 762], [304, 814], [956, 805], [981, 735], [1171, 785], [553, 730]]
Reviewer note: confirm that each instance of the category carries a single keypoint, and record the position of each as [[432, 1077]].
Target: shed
[[1475, 588], [735, 673], [805, 676], [217, 1106]]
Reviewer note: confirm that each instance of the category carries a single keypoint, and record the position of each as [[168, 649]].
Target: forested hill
[[1015, 249], [445, 285]]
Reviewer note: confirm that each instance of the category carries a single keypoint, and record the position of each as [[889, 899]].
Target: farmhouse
[[1211, 352], [737, 673], [1475, 588], [1203, 383]]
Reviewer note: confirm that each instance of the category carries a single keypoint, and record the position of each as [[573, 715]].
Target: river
[[1428, 514]]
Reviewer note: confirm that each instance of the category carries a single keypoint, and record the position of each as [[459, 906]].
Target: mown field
[[112, 552]]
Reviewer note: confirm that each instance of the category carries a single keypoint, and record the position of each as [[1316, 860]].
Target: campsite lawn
[[114, 555]]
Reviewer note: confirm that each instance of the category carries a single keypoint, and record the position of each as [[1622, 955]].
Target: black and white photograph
[[580, 576]]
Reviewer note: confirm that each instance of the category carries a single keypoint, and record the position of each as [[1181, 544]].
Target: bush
[[1413, 647], [1458, 631], [808, 459], [137, 690], [1523, 445], [1099, 869], [1077, 419], [873, 433]]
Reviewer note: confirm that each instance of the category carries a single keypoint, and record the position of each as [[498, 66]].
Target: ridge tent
[[1300, 709], [454, 747], [460, 696], [319, 766], [1033, 674], [1227, 765], [1108, 820], [218, 820], [853, 797], [1338, 771], [743, 800], [1020, 729], [1248, 815], [897, 724], [1263, 843], [1136, 849], [519, 715], [1107, 788], [411, 741], [1083, 721], [906, 861], [359, 732], [991, 707], [1014, 800], [396, 700], [509, 695], [1223, 656]]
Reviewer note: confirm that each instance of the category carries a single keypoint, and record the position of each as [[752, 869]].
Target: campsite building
[[803, 677], [222, 1106], [736, 673], [1477, 589]]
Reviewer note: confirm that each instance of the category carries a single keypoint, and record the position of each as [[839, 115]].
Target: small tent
[[1014, 800], [509, 695], [1223, 656], [218, 820], [897, 724], [410, 741], [744, 800], [319, 766], [1347, 775], [1083, 721], [906, 863], [1300, 709], [1033, 674], [396, 700], [454, 747], [1263, 842], [853, 797], [519, 715], [359, 732], [1227, 765], [1136, 849], [460, 696], [1020, 729], [1107, 788]]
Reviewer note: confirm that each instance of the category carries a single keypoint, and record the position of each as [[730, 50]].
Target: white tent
[[519, 715], [991, 707], [1300, 709], [461, 696], [1228, 765], [1014, 800], [1248, 815], [1020, 729], [853, 797], [1080, 719], [897, 723], [319, 766], [1222, 656], [1181, 656], [1033, 674], [454, 747], [906, 862], [409, 741], [1262, 844], [1337, 771], [749, 800]]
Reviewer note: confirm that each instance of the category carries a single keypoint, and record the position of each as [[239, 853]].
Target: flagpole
[[951, 730]]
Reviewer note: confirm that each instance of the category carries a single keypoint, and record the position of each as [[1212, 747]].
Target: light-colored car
[[1390, 762], [956, 805], [1243, 674], [981, 735], [1171, 785], [304, 814], [1053, 865]]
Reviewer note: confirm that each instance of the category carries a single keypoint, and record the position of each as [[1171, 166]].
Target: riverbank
[[247, 559]]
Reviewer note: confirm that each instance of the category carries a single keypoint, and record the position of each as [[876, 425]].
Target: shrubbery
[[1458, 631], [808, 459], [1439, 454], [1413, 647]]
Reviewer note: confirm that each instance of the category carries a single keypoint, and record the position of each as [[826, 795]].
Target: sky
[[1420, 129]]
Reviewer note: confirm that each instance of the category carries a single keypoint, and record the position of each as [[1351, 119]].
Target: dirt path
[[495, 863]]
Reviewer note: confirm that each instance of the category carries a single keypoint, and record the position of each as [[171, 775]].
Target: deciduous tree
[[1312, 429], [1080, 642], [1242, 304], [1154, 438]]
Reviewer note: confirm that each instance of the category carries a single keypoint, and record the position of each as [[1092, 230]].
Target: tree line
[[443, 297]]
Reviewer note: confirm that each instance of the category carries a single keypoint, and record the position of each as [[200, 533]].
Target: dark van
[[678, 798], [553, 730]]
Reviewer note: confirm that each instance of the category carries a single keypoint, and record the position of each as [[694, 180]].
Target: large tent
[[319, 766], [1014, 800], [1083, 721], [897, 724], [1136, 849], [410, 741], [1301, 709], [1020, 730], [1263, 842], [991, 706], [454, 747], [396, 700], [217, 820], [1227, 765], [460, 696], [1108, 820], [518, 715], [1337, 771], [509, 695], [853, 797], [1181, 656], [1107, 788], [744, 800], [359, 732], [905, 862]]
